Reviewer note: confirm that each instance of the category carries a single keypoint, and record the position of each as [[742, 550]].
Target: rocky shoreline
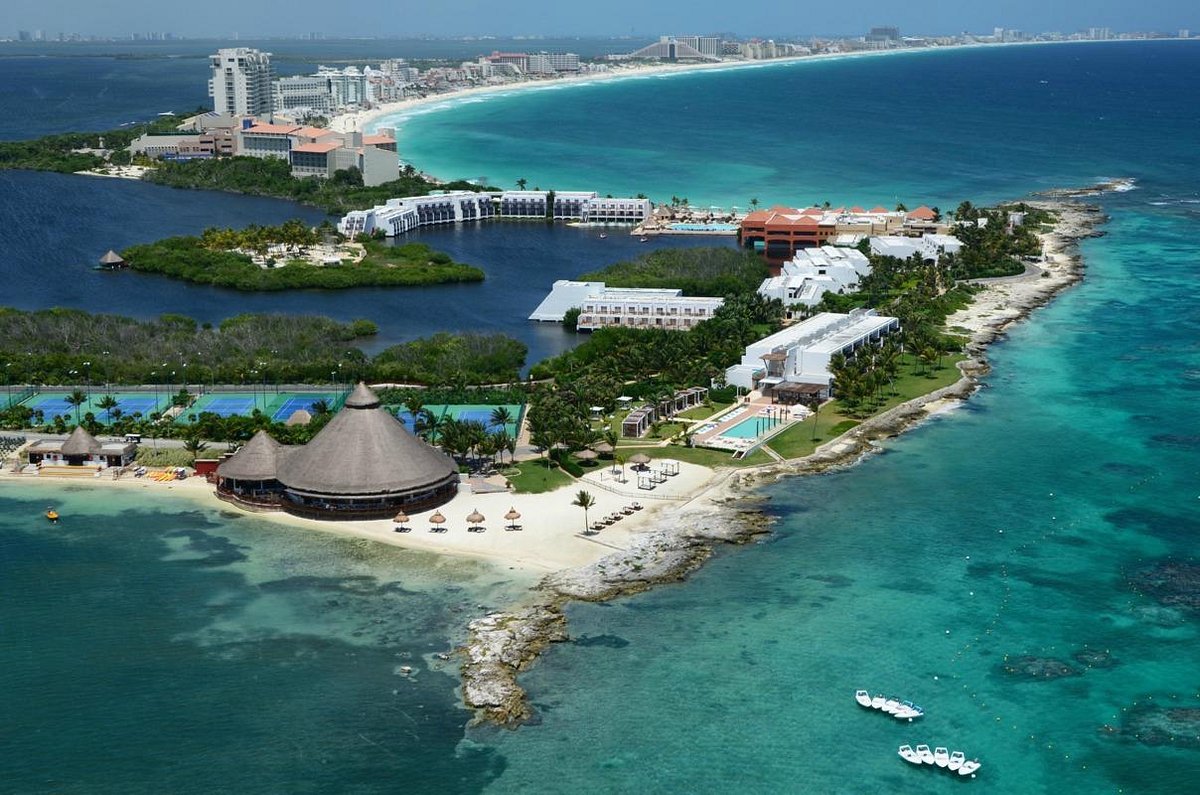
[[501, 645]]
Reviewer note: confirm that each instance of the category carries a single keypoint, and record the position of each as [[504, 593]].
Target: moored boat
[[941, 756], [925, 754], [969, 767], [52, 515], [956, 761], [878, 701], [909, 755], [863, 698], [891, 706]]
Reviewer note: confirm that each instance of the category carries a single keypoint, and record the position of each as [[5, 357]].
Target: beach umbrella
[[587, 455], [602, 447], [475, 518], [401, 519], [437, 518], [512, 516], [639, 459]]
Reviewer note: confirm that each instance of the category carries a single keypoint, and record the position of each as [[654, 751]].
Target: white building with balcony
[[929, 247], [812, 272], [241, 82], [399, 216], [601, 306], [800, 354], [607, 210]]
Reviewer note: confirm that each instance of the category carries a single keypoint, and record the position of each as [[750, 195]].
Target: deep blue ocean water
[[1014, 525]]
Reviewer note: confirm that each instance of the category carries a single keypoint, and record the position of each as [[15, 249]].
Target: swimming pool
[[704, 227], [750, 429]]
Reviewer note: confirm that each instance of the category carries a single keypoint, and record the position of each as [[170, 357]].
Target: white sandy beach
[[551, 538], [369, 120]]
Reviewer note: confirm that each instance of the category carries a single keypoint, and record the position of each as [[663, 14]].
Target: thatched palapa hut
[[363, 465], [251, 475]]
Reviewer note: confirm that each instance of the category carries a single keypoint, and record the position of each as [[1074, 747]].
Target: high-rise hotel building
[[241, 82]]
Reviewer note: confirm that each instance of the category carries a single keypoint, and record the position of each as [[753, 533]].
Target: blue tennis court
[[305, 402], [224, 405], [476, 412], [131, 404], [53, 404]]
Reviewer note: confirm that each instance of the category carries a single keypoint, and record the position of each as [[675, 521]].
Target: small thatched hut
[[251, 475], [112, 260]]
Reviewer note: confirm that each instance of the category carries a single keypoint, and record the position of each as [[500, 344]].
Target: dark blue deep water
[[148, 648]]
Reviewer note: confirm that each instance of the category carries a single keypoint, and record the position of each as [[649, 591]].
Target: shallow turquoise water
[[148, 648], [1008, 527]]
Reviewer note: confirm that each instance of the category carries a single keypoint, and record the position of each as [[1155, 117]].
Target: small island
[[292, 256]]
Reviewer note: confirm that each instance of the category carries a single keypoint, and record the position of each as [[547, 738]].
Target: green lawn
[[834, 418], [702, 412], [536, 477], [699, 455]]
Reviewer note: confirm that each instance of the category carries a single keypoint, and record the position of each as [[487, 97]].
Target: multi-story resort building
[[401, 215], [791, 361], [812, 272], [781, 231], [304, 92], [601, 306], [928, 247], [241, 82], [318, 152]]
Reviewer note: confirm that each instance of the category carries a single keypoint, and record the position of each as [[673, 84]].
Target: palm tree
[[521, 183], [108, 403], [76, 399], [414, 405], [584, 500], [320, 408], [501, 417], [194, 446], [754, 203]]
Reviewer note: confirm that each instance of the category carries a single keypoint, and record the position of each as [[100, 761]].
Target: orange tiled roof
[[922, 213], [312, 132], [377, 140], [271, 129], [321, 147]]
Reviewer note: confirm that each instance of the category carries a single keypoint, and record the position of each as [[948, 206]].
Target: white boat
[[968, 768], [863, 698], [941, 757], [891, 706], [909, 755], [956, 760], [925, 754], [913, 707], [906, 713], [878, 702]]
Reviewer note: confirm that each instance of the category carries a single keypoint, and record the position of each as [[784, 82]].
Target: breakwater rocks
[[501, 645]]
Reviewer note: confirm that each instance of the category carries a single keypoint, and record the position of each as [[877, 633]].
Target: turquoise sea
[[150, 647]]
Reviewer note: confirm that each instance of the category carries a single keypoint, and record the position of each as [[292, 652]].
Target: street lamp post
[[87, 369], [8, 383]]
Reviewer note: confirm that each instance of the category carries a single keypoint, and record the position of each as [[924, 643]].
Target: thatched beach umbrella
[[587, 455], [474, 519], [602, 447], [437, 519], [512, 516], [401, 520], [639, 459]]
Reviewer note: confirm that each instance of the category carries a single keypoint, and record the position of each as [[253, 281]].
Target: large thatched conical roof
[[257, 460], [80, 442], [364, 450]]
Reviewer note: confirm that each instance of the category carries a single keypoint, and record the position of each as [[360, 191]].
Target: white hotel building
[[800, 354], [399, 216], [395, 218], [601, 306], [812, 272]]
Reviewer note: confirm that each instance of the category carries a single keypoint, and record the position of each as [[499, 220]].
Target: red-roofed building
[[265, 140], [381, 141], [922, 213]]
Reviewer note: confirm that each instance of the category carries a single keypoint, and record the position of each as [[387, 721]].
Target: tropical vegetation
[[696, 271], [222, 257]]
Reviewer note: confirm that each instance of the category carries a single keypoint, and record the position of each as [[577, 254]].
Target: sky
[[777, 18]]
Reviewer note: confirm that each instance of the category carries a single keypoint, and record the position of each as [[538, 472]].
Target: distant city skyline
[[225, 18]]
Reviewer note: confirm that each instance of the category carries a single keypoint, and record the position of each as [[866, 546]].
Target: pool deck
[[712, 432]]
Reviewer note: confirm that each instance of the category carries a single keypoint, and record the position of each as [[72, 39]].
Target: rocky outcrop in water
[[1095, 658], [1174, 726], [501, 646], [1171, 583], [1037, 668]]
